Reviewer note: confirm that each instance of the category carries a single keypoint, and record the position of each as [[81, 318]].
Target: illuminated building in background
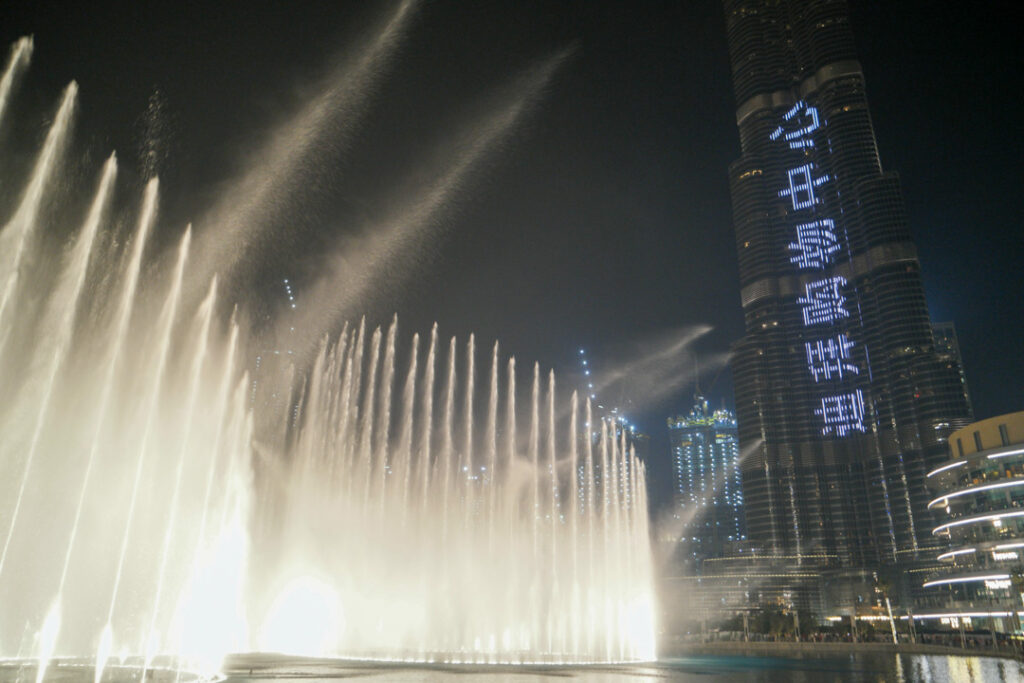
[[978, 493], [619, 428], [273, 366], [708, 490], [947, 345], [843, 398]]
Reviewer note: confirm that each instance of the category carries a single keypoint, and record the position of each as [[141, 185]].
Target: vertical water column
[[383, 462], [403, 467], [164, 326], [16, 236], [555, 612], [20, 56], [202, 341]]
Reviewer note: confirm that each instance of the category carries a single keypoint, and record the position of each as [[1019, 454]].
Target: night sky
[[603, 220]]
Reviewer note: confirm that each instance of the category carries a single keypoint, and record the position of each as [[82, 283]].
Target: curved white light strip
[[946, 467], [965, 579], [977, 489], [949, 615], [1008, 546], [1019, 451], [953, 553], [971, 520]]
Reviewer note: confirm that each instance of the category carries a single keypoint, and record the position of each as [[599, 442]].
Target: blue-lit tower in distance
[[708, 487]]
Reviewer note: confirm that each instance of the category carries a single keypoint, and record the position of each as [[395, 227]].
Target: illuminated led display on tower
[[815, 244], [843, 413], [798, 138], [823, 303], [830, 358], [801, 186]]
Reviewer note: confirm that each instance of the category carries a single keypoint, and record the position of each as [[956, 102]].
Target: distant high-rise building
[[618, 429], [843, 399], [947, 346], [708, 491]]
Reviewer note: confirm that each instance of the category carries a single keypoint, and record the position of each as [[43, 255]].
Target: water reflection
[[861, 668], [706, 669]]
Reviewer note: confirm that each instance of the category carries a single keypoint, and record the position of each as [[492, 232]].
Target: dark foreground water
[[699, 669]]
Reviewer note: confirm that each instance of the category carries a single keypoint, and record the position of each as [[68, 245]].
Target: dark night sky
[[604, 221]]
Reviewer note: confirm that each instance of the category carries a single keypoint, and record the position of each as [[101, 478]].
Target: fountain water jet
[[20, 56], [395, 569], [131, 439]]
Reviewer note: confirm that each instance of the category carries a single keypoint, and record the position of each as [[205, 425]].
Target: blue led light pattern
[[823, 302], [800, 137], [815, 244], [842, 414], [801, 186], [830, 358]]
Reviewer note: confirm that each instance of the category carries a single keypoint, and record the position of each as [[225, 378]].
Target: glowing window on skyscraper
[[830, 358], [823, 302], [842, 414], [815, 244]]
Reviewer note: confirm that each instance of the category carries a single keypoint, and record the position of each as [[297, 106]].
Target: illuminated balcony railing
[[977, 519], [1010, 483]]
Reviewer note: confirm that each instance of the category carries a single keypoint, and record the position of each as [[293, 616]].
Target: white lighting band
[[961, 615], [954, 553], [1009, 546], [1004, 454], [946, 467], [973, 520], [977, 489], [965, 579]]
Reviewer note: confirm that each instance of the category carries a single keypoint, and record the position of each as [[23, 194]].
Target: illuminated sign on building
[[823, 303], [815, 244], [798, 138], [830, 358]]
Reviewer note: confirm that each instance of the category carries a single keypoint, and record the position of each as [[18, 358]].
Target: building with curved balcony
[[979, 497]]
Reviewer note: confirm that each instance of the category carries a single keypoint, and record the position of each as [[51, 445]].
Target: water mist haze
[[188, 472]]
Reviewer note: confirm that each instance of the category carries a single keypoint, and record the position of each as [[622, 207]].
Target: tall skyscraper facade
[[708, 495], [842, 398]]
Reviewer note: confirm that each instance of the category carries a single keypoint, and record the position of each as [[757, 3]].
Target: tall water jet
[[16, 236], [57, 327], [20, 55], [240, 219], [418, 587]]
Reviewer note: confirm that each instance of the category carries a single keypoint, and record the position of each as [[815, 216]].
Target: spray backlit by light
[[158, 510]]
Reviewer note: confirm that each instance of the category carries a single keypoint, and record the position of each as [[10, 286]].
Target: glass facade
[[844, 400]]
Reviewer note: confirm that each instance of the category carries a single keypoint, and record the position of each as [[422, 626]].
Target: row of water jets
[[458, 527], [163, 504]]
